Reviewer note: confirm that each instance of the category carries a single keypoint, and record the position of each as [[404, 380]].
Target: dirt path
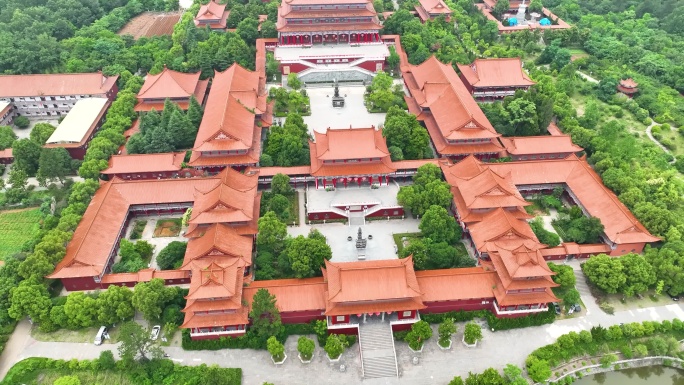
[[654, 140], [18, 210]]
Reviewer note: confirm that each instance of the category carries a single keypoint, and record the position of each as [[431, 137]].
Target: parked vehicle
[[155, 332], [674, 297], [557, 308], [101, 335]]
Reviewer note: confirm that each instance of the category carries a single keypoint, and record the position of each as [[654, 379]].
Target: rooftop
[[144, 163], [170, 84], [547, 144], [503, 72], [80, 121], [56, 84]]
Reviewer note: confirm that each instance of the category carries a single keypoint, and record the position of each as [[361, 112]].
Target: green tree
[[445, 330], [106, 360], [22, 122], [7, 137], [639, 274], [280, 205], [538, 369], [606, 88], [136, 341], [41, 132], [501, 7], [513, 375], [195, 112], [26, 155], [402, 130], [439, 226], [522, 117], [276, 349], [305, 347], [18, 185], [427, 190], [565, 276], [334, 346], [280, 184], [570, 298], [264, 315], [456, 381], [248, 30], [172, 255], [272, 233], [81, 310], [29, 299], [115, 305], [536, 6], [418, 249], [180, 130], [53, 164], [393, 59], [472, 333], [149, 298], [605, 272], [420, 332], [293, 81], [306, 256]]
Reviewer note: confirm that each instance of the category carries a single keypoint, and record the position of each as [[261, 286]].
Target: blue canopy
[[512, 21], [545, 21]]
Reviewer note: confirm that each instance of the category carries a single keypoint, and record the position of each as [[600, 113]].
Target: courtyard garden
[[168, 227]]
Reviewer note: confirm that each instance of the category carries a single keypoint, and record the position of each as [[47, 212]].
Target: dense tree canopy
[[403, 131], [427, 190]]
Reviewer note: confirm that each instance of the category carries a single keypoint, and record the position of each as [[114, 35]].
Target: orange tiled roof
[[456, 284], [144, 275], [214, 13], [501, 72], [524, 261], [213, 280], [286, 11], [628, 83], [361, 287], [88, 251], [292, 295], [432, 7], [350, 143], [547, 144], [489, 190], [6, 153], [500, 226], [219, 240], [229, 122], [143, 163], [56, 84], [237, 317], [504, 299], [173, 84], [231, 200]]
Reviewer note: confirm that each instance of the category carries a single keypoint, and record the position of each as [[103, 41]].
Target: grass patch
[[16, 228], [85, 335], [48, 376], [294, 207], [138, 228], [169, 227], [399, 240]]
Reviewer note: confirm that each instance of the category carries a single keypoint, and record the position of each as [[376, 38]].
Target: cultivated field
[[17, 227], [150, 24]]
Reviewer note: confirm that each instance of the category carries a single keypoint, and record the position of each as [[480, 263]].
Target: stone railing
[[630, 363]]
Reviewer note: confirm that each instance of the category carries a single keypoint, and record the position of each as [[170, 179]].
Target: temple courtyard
[[354, 112]]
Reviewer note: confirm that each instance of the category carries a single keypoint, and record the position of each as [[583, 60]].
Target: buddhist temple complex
[[490, 79]]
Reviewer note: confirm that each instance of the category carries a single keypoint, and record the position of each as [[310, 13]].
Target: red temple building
[[212, 15], [176, 86], [235, 115], [309, 29], [431, 9], [352, 155], [628, 87], [144, 166], [456, 124], [491, 79], [540, 147]]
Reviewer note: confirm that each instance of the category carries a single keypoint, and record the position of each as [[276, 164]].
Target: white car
[[155, 332]]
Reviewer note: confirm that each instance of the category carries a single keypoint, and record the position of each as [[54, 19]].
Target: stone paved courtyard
[[353, 114]]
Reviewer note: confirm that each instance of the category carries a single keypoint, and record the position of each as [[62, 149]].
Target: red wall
[[627, 248], [294, 67], [297, 317], [144, 175], [214, 337], [349, 331], [400, 327], [78, 284], [321, 216], [385, 213], [465, 305]]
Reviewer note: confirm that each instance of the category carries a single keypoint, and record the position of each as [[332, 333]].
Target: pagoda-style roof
[[628, 86], [219, 240], [212, 14], [371, 286], [350, 151], [499, 225], [229, 201], [501, 72], [144, 163], [170, 84], [321, 10], [427, 9], [439, 98], [235, 102]]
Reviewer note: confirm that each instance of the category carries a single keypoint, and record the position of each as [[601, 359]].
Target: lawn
[[169, 227], [676, 139], [294, 207], [16, 228], [85, 335], [48, 376], [403, 239]]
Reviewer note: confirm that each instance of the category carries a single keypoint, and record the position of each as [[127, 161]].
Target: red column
[[345, 182], [316, 183], [323, 182], [359, 181], [335, 182], [370, 179]]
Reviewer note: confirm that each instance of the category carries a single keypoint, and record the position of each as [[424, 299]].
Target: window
[[407, 314], [340, 318]]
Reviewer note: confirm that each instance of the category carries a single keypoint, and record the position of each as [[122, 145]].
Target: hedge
[[155, 371], [493, 322]]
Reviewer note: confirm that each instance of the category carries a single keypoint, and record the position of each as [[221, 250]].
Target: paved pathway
[[654, 140], [436, 366], [589, 78]]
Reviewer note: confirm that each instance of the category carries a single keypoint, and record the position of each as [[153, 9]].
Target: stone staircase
[[378, 358]]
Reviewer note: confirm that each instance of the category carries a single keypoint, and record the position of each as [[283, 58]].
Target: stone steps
[[377, 351]]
